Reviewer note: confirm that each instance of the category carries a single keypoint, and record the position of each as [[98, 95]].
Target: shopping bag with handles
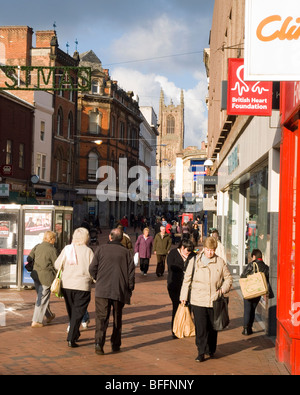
[[255, 284]]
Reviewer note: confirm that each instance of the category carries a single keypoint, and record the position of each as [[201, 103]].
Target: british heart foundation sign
[[247, 97]]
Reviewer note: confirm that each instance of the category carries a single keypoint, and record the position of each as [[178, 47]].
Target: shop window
[[232, 227], [257, 213]]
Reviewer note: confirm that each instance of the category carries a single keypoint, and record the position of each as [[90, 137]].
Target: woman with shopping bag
[[256, 266], [74, 262], [205, 282]]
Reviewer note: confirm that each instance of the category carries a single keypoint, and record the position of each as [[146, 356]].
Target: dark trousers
[[76, 304], [103, 308], [174, 296], [160, 268], [206, 336], [249, 311], [144, 264]]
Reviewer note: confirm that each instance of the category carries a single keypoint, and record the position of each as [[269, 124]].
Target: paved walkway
[[147, 345]]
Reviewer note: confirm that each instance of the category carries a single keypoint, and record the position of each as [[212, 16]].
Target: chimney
[[43, 38]]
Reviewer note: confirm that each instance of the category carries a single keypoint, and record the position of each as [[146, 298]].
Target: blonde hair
[[80, 236], [49, 236], [210, 243]]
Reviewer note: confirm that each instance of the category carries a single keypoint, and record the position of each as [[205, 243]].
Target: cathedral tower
[[171, 131]]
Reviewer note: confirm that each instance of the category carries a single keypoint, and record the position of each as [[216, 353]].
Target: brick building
[[109, 114], [16, 115], [55, 158]]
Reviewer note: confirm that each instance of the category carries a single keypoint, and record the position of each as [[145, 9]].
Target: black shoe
[[72, 344], [200, 358], [247, 331], [115, 349], [99, 349]]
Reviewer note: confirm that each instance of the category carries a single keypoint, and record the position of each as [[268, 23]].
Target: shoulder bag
[[255, 284]]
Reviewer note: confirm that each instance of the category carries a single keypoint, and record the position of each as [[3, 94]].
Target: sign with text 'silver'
[[45, 78]]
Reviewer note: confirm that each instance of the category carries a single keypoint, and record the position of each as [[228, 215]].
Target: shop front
[[288, 307], [248, 196], [23, 227]]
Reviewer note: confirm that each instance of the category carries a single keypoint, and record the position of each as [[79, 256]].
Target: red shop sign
[[247, 97], [290, 99]]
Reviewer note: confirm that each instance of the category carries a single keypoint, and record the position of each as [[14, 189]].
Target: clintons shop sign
[[272, 40], [247, 98]]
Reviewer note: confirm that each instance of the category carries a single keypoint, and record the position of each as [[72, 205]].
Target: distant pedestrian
[[43, 274], [251, 304], [177, 262], [75, 259], [206, 281], [161, 247], [113, 269], [143, 247]]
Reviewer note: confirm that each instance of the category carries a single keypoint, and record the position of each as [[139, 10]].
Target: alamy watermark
[[137, 184]]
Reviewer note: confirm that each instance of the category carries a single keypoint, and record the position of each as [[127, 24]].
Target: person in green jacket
[[161, 247], [43, 274]]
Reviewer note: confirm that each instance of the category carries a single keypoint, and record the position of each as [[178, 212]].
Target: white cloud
[[148, 86]]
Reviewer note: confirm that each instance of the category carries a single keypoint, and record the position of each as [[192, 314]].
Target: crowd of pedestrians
[[196, 277]]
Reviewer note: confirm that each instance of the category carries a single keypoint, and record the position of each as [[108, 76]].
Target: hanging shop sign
[[272, 40], [247, 98], [45, 78]]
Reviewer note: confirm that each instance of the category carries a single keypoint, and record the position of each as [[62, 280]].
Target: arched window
[[170, 124], [59, 125], [93, 160], [70, 125]]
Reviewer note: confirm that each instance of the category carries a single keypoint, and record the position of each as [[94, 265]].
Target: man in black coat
[[114, 271]]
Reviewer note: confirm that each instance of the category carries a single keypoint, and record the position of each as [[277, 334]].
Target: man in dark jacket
[[113, 269], [251, 304]]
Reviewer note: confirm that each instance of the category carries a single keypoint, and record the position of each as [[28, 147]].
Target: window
[[94, 122], [122, 131], [8, 156], [41, 166], [42, 131], [70, 125], [95, 87], [92, 166], [21, 156], [170, 124], [59, 122], [113, 127]]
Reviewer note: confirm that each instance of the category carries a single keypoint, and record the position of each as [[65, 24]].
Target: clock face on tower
[[35, 179]]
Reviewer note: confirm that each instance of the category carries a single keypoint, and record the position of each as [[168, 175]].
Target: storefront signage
[[291, 99], [247, 98], [272, 39], [45, 78]]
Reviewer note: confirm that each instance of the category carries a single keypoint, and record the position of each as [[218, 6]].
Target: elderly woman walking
[[143, 247], [75, 259], [207, 280]]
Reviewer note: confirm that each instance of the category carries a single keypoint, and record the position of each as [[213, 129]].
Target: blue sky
[[146, 45]]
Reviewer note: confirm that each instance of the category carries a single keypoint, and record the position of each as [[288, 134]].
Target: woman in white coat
[[205, 280], [75, 259]]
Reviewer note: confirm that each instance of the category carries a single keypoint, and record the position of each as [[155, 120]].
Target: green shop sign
[[45, 78]]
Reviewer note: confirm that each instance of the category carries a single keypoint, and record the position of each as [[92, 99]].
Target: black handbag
[[29, 264], [221, 316]]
